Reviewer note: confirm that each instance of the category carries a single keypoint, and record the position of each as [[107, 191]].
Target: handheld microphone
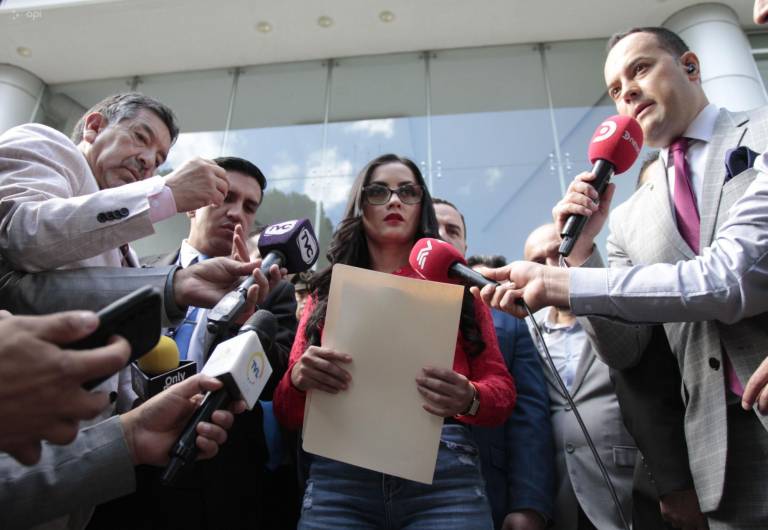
[[290, 244], [436, 260], [159, 369], [439, 261], [613, 149], [242, 365]]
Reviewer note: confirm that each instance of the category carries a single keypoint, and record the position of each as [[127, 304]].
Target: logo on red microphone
[[421, 257], [631, 139], [606, 130]]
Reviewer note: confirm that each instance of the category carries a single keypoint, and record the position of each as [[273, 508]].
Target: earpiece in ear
[[691, 68]]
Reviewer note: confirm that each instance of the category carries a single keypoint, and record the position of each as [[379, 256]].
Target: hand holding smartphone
[[136, 317]]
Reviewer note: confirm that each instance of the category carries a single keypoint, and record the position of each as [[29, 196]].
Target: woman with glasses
[[389, 209]]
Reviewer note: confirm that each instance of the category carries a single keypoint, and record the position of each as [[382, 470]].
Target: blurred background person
[[301, 285], [517, 457], [583, 500]]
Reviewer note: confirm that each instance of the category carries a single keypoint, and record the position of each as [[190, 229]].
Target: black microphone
[[241, 364], [613, 149], [290, 244]]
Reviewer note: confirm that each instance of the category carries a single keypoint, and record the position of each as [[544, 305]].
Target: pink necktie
[[686, 212], [688, 223]]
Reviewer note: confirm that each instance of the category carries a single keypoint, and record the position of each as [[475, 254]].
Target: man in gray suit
[[652, 76], [583, 500], [74, 202], [67, 203], [724, 283]]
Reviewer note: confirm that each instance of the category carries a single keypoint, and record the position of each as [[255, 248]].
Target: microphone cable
[[564, 390]]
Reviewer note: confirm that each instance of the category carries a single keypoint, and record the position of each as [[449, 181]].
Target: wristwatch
[[472, 410]]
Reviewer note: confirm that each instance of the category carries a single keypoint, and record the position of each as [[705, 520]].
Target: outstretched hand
[[538, 285], [152, 428]]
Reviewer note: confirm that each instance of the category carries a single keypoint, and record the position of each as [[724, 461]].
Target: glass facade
[[498, 131]]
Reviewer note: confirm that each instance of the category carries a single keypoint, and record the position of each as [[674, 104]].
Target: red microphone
[[436, 260], [613, 149]]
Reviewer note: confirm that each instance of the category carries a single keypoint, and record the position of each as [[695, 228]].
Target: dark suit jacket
[[653, 411], [517, 458], [87, 288]]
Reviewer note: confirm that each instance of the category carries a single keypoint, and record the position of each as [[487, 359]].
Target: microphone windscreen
[[264, 323], [294, 240], [617, 140], [164, 357], [432, 259]]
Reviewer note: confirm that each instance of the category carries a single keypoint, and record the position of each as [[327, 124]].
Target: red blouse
[[486, 371]]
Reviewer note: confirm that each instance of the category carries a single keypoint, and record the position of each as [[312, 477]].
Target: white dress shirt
[[565, 342], [699, 133], [188, 254]]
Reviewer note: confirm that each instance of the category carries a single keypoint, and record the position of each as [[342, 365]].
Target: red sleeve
[[489, 374], [288, 401]]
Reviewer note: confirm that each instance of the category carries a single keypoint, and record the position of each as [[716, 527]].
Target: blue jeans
[[340, 495]]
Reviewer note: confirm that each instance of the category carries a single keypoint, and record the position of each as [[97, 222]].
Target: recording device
[[241, 364], [136, 316], [436, 260], [159, 369], [613, 149], [290, 244]]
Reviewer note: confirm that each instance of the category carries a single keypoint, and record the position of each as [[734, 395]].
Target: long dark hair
[[350, 247]]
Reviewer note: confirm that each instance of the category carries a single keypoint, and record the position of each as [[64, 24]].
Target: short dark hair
[[668, 40], [125, 106], [437, 201], [493, 262], [233, 163]]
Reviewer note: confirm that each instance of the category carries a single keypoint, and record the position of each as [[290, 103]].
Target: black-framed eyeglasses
[[380, 194]]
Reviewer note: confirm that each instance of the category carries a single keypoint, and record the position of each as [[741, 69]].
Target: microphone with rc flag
[[613, 149]]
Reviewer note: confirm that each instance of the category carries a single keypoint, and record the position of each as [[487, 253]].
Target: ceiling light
[[386, 16], [325, 22], [263, 27], [24, 51]]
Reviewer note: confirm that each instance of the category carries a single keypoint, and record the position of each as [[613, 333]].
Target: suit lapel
[[542, 358], [158, 260], [660, 216], [172, 258], [728, 133], [586, 360], [551, 381]]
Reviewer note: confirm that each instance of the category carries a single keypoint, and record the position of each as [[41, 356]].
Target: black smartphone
[[136, 316]]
